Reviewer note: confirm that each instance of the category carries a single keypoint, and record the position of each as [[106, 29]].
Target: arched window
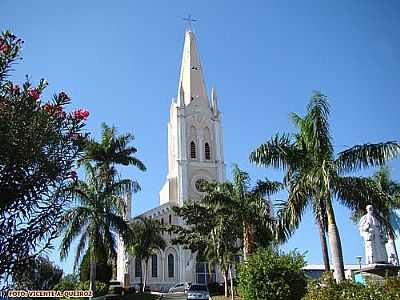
[[171, 265], [162, 225], [169, 222], [207, 151], [154, 266], [192, 150], [138, 267]]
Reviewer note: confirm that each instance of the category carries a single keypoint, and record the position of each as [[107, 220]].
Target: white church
[[195, 155]]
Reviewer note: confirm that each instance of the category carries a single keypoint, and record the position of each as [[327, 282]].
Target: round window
[[200, 185]]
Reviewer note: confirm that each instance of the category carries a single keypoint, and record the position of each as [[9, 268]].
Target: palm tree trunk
[[141, 276], [392, 246], [230, 275], [225, 275], [324, 247], [145, 274], [92, 283], [247, 240], [335, 244]]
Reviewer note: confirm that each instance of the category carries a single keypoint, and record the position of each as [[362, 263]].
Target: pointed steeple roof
[[191, 78]]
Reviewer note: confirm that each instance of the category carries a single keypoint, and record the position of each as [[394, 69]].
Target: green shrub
[[271, 275], [38, 273], [68, 283], [392, 283], [325, 290], [101, 288]]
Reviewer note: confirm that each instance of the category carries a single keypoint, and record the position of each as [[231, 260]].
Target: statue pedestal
[[375, 273]]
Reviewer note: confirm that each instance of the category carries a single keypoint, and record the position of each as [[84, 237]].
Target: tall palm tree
[[146, 240], [314, 174], [95, 220], [248, 206], [112, 150], [386, 201]]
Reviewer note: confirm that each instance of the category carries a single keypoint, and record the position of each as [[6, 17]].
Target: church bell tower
[[195, 144]]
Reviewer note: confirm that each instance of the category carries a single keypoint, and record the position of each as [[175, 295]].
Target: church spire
[[191, 77]]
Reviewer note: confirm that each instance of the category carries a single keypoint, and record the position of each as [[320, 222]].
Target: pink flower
[[34, 93], [85, 114], [56, 110], [4, 48], [48, 107], [81, 114]]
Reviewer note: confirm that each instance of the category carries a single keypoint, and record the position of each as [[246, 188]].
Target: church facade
[[195, 155]]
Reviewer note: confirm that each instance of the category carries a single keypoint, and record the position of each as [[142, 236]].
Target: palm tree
[[211, 230], [95, 220], [222, 246], [314, 174], [146, 240], [112, 150], [386, 201], [248, 206]]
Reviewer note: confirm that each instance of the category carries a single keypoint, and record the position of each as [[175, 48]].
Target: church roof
[[191, 80]]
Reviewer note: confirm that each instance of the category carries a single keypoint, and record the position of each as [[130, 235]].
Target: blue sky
[[120, 60]]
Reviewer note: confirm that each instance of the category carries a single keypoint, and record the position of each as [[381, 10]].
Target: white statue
[[374, 238], [126, 263]]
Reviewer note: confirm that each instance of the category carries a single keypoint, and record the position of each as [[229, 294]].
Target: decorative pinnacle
[[189, 22]]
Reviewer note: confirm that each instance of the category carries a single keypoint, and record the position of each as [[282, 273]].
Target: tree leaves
[[366, 155]]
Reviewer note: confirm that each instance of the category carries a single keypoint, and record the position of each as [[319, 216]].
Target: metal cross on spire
[[189, 21]]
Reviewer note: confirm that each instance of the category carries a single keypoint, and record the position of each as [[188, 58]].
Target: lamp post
[[359, 258]]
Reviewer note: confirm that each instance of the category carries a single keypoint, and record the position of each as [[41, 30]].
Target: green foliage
[[146, 239], [249, 206], [314, 172], [97, 216], [384, 194], [101, 287], [103, 269], [39, 144], [270, 275], [392, 283], [328, 290], [68, 283], [200, 218], [37, 274], [112, 150]]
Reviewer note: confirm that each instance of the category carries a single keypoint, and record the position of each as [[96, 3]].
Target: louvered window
[[192, 150], [207, 151]]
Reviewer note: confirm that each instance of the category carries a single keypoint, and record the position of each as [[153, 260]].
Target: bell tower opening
[[192, 150]]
